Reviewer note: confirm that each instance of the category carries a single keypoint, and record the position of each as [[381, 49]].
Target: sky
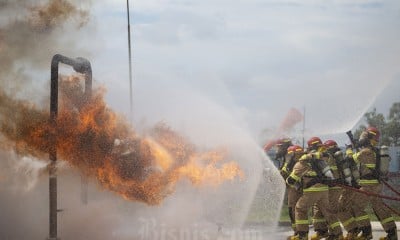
[[255, 59], [250, 61]]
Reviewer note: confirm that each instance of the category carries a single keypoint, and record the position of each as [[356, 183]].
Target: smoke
[[31, 32], [100, 143], [31, 169], [29, 37], [25, 207], [145, 169], [207, 123]]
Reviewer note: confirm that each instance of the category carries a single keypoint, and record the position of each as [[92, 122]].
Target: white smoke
[[25, 51], [28, 170]]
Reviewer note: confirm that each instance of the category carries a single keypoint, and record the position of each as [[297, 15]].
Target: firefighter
[[334, 158], [282, 146], [318, 219], [368, 159], [293, 193], [312, 173], [351, 174]]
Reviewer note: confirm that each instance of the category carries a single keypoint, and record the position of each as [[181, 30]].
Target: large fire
[[94, 139]]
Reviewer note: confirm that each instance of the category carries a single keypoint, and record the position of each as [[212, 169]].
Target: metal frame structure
[[80, 65]]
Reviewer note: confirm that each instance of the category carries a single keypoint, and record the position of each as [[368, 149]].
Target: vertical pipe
[[88, 94], [53, 149], [130, 63], [84, 189]]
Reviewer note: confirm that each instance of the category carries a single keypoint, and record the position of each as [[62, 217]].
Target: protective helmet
[[282, 146], [373, 133], [314, 143], [284, 142], [369, 137], [295, 149], [330, 144]]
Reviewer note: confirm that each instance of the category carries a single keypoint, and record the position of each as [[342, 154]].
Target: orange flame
[[101, 144]]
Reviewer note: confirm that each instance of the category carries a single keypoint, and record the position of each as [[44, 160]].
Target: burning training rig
[[102, 145], [80, 65]]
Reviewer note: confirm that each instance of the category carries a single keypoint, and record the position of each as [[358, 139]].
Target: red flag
[[292, 117], [270, 144]]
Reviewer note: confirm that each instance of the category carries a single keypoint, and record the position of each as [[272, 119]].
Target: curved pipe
[[80, 65]]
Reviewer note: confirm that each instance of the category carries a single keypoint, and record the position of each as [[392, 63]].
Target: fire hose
[[395, 191], [369, 193], [376, 195], [392, 209], [390, 187]]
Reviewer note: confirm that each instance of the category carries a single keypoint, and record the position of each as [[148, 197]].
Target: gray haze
[[219, 72], [31, 32]]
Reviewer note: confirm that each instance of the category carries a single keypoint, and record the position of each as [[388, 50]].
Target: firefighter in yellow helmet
[[293, 192], [312, 172], [368, 159]]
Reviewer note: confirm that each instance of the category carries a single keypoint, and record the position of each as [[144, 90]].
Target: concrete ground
[[281, 232], [249, 232]]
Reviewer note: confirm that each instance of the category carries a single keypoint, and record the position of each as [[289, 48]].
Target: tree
[[389, 127], [393, 125]]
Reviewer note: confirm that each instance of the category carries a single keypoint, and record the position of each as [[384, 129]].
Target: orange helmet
[[295, 149], [314, 142]]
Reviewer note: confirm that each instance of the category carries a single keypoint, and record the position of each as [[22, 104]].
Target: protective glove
[[284, 174]]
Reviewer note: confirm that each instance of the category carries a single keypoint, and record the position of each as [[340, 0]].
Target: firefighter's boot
[[300, 236], [352, 234], [335, 237], [290, 237], [366, 233], [391, 235], [319, 234]]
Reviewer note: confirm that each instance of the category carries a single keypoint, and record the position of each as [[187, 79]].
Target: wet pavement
[[282, 232], [217, 232]]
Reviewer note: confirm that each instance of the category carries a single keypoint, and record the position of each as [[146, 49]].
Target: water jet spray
[[350, 121], [80, 65]]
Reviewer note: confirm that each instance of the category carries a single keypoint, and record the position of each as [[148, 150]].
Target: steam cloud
[[144, 169], [29, 36], [141, 170], [86, 133]]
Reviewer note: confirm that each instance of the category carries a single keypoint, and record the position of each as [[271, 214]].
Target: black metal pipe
[[80, 65]]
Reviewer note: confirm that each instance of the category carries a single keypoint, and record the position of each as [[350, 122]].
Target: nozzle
[[349, 133], [81, 65]]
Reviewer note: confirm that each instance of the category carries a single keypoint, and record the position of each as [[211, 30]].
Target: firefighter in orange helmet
[[293, 192], [368, 159], [312, 171]]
